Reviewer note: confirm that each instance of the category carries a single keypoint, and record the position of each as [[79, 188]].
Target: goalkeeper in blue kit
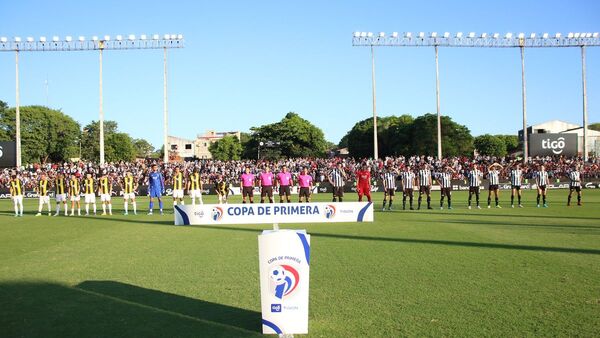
[[156, 187]]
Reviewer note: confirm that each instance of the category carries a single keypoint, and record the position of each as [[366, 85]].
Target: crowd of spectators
[[557, 167]]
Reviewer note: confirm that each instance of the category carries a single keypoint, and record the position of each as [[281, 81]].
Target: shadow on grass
[[427, 241], [113, 309], [485, 214]]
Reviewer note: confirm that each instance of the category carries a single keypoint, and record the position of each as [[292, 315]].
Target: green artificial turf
[[490, 272]]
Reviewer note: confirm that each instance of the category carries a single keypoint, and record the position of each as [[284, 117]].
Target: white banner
[[284, 257], [212, 214]]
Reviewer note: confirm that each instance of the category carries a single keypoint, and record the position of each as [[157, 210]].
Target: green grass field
[[490, 272]]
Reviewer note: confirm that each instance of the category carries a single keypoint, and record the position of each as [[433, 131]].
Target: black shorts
[[578, 188], [446, 191], [408, 192], [338, 191], [516, 187], [284, 190], [390, 192], [266, 191], [542, 187], [474, 190], [425, 189], [493, 187], [247, 191], [304, 192]]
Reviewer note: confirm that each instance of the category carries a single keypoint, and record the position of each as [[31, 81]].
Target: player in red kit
[[363, 184]]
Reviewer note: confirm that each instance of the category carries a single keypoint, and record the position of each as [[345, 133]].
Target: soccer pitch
[[490, 272]]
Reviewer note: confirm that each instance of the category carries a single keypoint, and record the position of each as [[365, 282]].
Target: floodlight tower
[[95, 43], [522, 41]]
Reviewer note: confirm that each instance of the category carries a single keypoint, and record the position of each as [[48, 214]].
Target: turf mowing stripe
[[148, 307]]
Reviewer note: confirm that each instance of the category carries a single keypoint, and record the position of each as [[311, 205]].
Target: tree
[[293, 137], [142, 148], [46, 134], [226, 149], [456, 138], [392, 136], [490, 145], [594, 126], [511, 142], [117, 146]]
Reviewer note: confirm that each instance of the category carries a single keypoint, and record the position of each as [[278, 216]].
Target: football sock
[[429, 201], [160, 205], [151, 205], [538, 199], [134, 206], [126, 207], [104, 208], [496, 201], [489, 200]]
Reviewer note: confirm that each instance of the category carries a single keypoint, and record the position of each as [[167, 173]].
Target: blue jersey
[[155, 182]]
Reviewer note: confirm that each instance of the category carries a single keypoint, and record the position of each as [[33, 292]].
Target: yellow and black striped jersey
[[74, 187], [43, 187], [194, 181], [16, 187], [59, 186], [178, 181], [128, 184], [105, 185], [222, 187], [88, 185]]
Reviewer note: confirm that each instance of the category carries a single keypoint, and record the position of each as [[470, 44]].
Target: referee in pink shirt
[[305, 183], [266, 184], [285, 181], [247, 184]]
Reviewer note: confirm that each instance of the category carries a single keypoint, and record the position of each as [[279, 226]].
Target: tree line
[[49, 135]]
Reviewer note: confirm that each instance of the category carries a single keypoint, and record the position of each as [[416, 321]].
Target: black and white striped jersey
[[389, 180], [408, 179], [424, 177], [516, 177], [444, 179], [575, 178], [337, 177], [474, 177], [494, 177], [541, 178]]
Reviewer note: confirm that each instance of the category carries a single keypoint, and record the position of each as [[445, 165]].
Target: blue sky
[[248, 63]]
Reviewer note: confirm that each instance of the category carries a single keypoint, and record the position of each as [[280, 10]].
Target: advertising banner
[[214, 214], [8, 154], [284, 257], [553, 144]]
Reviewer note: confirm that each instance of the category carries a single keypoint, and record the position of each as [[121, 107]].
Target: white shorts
[[18, 198], [89, 198], [75, 198], [178, 193], [61, 197], [45, 199], [196, 193], [105, 197], [130, 196]]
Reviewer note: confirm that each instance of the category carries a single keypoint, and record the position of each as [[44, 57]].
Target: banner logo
[[217, 214], [556, 146], [284, 280], [329, 211]]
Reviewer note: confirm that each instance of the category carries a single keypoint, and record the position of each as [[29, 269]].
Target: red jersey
[[364, 177]]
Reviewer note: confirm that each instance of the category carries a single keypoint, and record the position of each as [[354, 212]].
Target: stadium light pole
[[101, 120], [485, 40], [69, 44], [375, 138], [437, 103], [17, 110], [585, 117], [165, 109], [524, 102]]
